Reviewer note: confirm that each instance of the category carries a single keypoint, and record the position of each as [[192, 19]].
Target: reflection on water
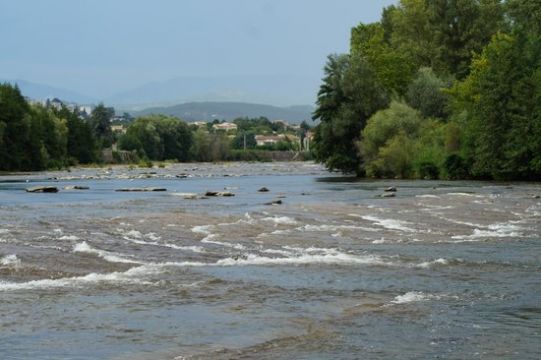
[[443, 270]]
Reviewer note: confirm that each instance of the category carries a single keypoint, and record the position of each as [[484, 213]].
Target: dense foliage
[[35, 137], [464, 77]]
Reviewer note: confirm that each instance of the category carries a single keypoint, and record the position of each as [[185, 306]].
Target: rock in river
[[76, 187], [141, 189], [42, 189], [390, 189], [219, 193], [263, 189]]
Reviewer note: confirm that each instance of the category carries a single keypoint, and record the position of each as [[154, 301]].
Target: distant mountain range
[[257, 89], [209, 111], [200, 98], [41, 92]]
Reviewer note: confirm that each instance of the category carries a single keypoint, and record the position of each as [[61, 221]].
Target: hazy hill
[[255, 89], [41, 92], [209, 111]]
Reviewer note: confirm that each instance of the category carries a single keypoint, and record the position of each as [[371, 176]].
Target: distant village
[[291, 133]]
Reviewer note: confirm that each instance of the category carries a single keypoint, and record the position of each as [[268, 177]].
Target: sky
[[102, 47]]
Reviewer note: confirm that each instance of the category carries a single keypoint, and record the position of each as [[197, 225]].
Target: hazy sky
[[100, 47]]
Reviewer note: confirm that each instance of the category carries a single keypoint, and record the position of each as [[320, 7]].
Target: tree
[[15, 125], [101, 125], [81, 143], [158, 137], [409, 31], [349, 95], [462, 28], [392, 67], [526, 15], [426, 94], [243, 138], [500, 98]]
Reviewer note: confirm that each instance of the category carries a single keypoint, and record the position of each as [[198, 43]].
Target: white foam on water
[[428, 264], [209, 240], [248, 220], [534, 210], [380, 241], [111, 257], [498, 230], [10, 261], [331, 259], [4, 231], [280, 232], [152, 236], [428, 207], [333, 228], [202, 229], [184, 194], [277, 251], [281, 220], [460, 222], [413, 296], [131, 276], [464, 194], [69, 238], [428, 196], [58, 231], [196, 249], [133, 233], [390, 224]]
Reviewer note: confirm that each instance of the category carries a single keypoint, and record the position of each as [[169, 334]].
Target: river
[[444, 270]]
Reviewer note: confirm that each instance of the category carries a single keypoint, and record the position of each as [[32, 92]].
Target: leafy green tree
[[399, 142], [525, 15], [81, 143], [241, 137], [409, 31], [15, 124], [426, 94], [500, 98], [349, 95], [48, 135], [158, 137], [392, 67], [101, 124], [462, 28]]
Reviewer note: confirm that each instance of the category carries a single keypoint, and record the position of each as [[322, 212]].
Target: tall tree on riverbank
[[470, 67], [101, 124], [350, 94]]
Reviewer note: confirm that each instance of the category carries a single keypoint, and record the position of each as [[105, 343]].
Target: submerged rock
[[76, 187], [274, 202], [192, 196], [388, 195], [219, 193], [42, 189]]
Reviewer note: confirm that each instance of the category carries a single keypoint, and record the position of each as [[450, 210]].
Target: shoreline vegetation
[[436, 90], [38, 136]]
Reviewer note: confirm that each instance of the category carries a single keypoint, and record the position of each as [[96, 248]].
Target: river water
[[445, 270]]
